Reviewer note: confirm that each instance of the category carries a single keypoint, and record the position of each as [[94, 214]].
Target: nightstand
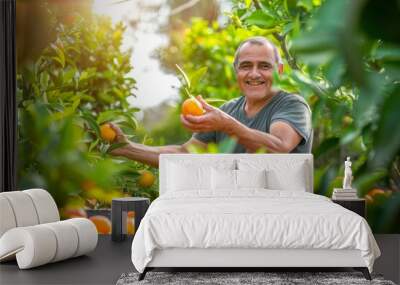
[[119, 211], [356, 205]]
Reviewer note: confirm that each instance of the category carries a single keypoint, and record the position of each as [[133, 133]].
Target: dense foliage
[[79, 82], [348, 70]]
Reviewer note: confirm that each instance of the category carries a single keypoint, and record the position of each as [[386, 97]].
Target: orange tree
[[348, 71], [79, 82]]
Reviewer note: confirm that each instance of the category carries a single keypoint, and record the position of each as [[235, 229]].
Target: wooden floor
[[110, 259], [102, 266]]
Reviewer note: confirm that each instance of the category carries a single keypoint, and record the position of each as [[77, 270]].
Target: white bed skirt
[[194, 257]]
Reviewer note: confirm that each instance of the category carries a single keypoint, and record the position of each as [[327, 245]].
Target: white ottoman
[[31, 230]]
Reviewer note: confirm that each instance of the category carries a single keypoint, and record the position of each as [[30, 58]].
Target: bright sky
[[154, 86]]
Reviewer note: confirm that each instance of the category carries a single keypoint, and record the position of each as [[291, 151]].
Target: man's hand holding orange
[[213, 119], [107, 133], [192, 106], [120, 137]]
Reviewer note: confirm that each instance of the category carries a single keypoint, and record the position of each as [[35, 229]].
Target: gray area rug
[[230, 278]]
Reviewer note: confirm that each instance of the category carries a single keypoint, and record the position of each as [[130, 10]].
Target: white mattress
[[251, 219]]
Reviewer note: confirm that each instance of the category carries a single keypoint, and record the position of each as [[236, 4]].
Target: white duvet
[[253, 218]]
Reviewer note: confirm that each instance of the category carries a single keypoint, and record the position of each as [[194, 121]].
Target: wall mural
[[84, 66]]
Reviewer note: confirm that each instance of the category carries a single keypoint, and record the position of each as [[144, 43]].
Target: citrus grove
[[66, 96]]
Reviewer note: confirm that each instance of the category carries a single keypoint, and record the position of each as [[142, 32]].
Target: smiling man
[[263, 118]]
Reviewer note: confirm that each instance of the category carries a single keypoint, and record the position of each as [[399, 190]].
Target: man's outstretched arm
[[147, 154], [282, 137]]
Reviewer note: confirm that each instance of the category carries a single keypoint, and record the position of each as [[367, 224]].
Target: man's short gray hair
[[257, 41]]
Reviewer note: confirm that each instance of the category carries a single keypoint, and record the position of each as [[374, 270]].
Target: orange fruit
[[107, 133], [376, 191], [103, 224], [130, 223], [73, 213], [193, 107], [130, 229], [369, 197], [146, 179], [88, 185]]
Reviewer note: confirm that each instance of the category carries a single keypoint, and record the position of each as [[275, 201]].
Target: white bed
[[201, 219]]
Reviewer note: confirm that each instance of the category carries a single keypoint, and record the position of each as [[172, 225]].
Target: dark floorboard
[[110, 259], [102, 266]]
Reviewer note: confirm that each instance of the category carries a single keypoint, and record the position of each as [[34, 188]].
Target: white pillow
[[288, 174], [251, 178], [184, 177], [223, 179], [280, 180], [228, 179]]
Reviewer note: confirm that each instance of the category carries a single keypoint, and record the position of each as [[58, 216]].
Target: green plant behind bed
[[349, 72]]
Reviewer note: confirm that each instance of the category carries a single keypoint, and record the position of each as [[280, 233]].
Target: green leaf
[[88, 98], [106, 116], [197, 75], [59, 61], [93, 144], [68, 75], [212, 148], [311, 43], [215, 100], [388, 54], [365, 108], [92, 123], [307, 81], [349, 136], [121, 116], [84, 76], [60, 55], [306, 4], [44, 80], [131, 120], [262, 150], [133, 110], [192, 148], [387, 135], [326, 147], [188, 92], [75, 103], [368, 180], [184, 75], [227, 145], [115, 146], [261, 19]]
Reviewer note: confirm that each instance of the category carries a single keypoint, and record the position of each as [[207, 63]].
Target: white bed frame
[[248, 257], [234, 257]]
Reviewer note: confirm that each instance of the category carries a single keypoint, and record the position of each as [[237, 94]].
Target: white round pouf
[[33, 246], [23, 208], [7, 216], [67, 239], [87, 235], [46, 208], [31, 233]]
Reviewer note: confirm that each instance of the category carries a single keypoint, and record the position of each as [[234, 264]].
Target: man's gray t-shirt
[[289, 108]]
